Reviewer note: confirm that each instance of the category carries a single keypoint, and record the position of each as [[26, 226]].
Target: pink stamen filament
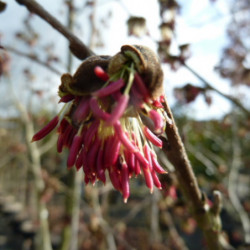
[[107, 152], [114, 176], [74, 150], [90, 133], [156, 166], [123, 138], [152, 137], [79, 160], [116, 95], [64, 123], [82, 110], [92, 155], [63, 139], [157, 119], [60, 143], [97, 111], [137, 94], [157, 104], [137, 167], [118, 110], [144, 162], [162, 99], [100, 170], [137, 98], [113, 152], [86, 167], [146, 150], [148, 178], [156, 180], [130, 160], [110, 89], [70, 136]]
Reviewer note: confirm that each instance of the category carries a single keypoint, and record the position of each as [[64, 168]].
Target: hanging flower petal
[[114, 176], [74, 150], [152, 137], [156, 180], [125, 182], [156, 166], [46, 130], [157, 119], [100, 170], [66, 98], [82, 110], [148, 179], [123, 138], [119, 109]]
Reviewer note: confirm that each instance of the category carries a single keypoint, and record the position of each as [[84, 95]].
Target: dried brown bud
[[3, 6], [84, 81], [146, 63]]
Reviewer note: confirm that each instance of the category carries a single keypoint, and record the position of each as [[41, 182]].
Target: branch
[[77, 47], [175, 238], [32, 57], [207, 218], [155, 233], [208, 86]]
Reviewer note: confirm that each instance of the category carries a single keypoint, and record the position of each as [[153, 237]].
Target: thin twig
[[32, 57], [93, 26], [178, 242], [200, 156], [208, 86], [77, 47]]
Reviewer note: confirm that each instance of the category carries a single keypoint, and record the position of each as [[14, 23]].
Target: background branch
[[32, 57], [208, 86], [77, 47]]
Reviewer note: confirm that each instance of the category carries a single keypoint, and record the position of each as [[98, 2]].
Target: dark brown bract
[[146, 62], [84, 81]]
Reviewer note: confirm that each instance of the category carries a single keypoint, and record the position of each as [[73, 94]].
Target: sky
[[200, 23]]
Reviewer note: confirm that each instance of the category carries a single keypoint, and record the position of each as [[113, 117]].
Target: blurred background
[[204, 48]]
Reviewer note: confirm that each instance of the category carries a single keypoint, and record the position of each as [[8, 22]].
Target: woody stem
[[77, 47], [188, 183]]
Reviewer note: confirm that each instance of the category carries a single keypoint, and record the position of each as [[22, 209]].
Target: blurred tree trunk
[[44, 242], [74, 178]]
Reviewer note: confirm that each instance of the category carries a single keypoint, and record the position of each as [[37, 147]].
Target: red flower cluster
[[104, 131]]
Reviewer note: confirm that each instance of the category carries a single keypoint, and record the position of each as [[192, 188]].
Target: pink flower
[[104, 130]]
